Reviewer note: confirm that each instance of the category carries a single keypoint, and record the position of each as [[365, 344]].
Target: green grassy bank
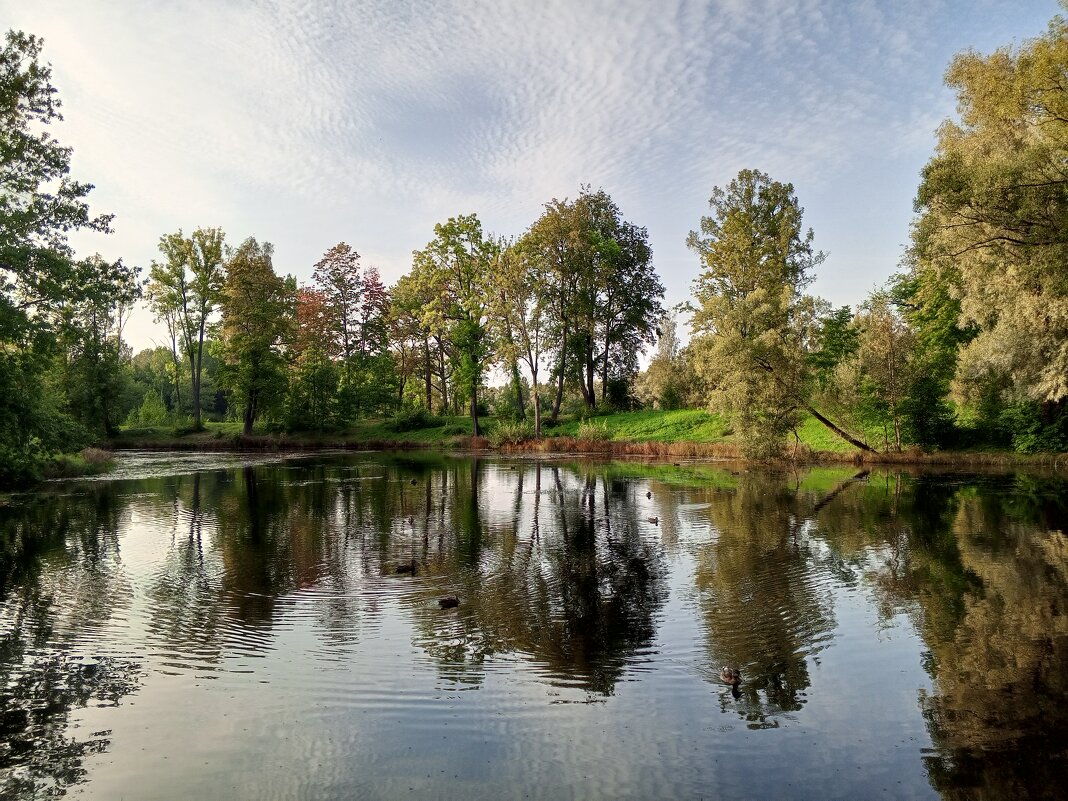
[[691, 434]]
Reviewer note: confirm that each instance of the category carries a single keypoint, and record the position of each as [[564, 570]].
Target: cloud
[[306, 122]]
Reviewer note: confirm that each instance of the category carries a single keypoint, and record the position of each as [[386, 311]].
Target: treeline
[[576, 292], [965, 347]]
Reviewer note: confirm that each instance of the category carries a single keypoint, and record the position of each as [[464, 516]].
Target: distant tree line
[[966, 346]]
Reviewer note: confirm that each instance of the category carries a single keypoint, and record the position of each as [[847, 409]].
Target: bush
[[510, 433], [412, 419], [1036, 428], [151, 413], [591, 431]]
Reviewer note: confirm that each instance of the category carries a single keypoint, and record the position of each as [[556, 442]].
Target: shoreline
[[661, 451]]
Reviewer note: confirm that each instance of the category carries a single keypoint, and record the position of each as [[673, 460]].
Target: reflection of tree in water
[[981, 565], [66, 580], [1000, 710], [762, 595], [566, 577]]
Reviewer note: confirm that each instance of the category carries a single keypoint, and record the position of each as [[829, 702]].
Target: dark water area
[[226, 626]]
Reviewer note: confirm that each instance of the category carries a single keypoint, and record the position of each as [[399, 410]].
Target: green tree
[[185, 290], [457, 263], [753, 325], [602, 294], [40, 204], [520, 313], [257, 322], [90, 327], [993, 206], [885, 352]]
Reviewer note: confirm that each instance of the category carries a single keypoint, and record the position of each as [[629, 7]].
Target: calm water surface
[[230, 626]]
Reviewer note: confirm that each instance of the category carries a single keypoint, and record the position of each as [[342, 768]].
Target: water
[[233, 626]]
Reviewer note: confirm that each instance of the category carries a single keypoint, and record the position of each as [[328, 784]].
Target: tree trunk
[[428, 376], [250, 413], [851, 440], [559, 383], [517, 381], [537, 413], [475, 429]]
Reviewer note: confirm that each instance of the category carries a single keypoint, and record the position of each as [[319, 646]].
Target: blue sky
[[308, 123]]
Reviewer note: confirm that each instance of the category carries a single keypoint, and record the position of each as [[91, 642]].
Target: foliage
[[258, 308], [185, 290], [992, 206], [311, 404], [1035, 427], [151, 412], [412, 419], [593, 431], [509, 432], [600, 293], [454, 268], [752, 321], [39, 206]]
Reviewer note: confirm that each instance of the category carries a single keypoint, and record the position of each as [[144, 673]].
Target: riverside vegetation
[[965, 349]]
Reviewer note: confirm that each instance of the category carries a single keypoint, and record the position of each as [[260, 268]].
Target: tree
[[602, 295], [519, 312], [313, 387], [457, 262], [257, 321], [669, 382], [185, 290], [753, 326], [39, 206], [993, 206], [885, 355], [338, 278], [39, 203], [90, 328]]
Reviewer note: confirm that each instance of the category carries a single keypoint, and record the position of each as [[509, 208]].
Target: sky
[[309, 123]]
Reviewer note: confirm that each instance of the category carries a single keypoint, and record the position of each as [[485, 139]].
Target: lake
[[252, 626]]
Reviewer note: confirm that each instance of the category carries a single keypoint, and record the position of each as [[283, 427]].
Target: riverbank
[[664, 435]]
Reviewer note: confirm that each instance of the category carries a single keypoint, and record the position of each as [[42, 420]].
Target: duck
[[654, 520], [407, 567], [412, 482], [448, 602], [731, 676], [649, 494]]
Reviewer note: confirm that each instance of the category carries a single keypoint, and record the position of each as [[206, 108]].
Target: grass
[[661, 435], [654, 425]]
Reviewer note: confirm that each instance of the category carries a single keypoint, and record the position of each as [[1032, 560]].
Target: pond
[[269, 627]]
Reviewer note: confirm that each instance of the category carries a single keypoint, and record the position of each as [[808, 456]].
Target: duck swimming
[[448, 602], [731, 676]]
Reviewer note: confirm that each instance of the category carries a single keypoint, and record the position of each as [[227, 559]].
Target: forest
[[965, 348]]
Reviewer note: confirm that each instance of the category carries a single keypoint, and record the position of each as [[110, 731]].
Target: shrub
[[591, 431], [412, 419], [510, 433]]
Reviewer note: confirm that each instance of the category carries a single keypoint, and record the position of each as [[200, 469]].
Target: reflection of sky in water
[[297, 664]]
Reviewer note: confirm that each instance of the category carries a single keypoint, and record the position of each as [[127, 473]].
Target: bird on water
[[448, 602], [731, 676]]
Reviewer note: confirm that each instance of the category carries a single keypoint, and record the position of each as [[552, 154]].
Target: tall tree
[[753, 325], [602, 294], [185, 289], [457, 261], [257, 322], [39, 206], [90, 328], [520, 313], [338, 277], [993, 206]]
